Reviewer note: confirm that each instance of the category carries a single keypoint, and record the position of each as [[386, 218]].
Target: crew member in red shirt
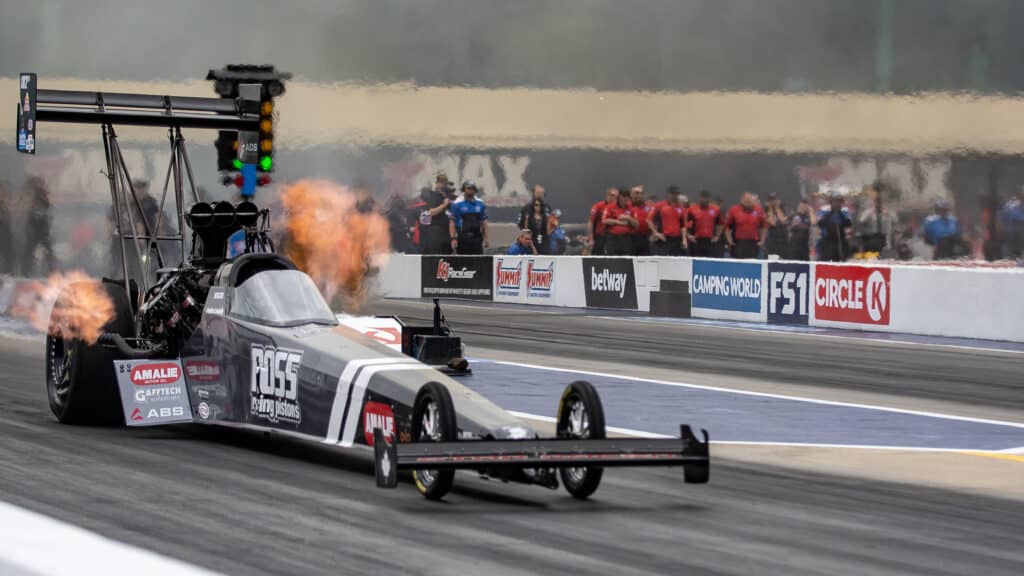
[[666, 222], [619, 224], [745, 227], [703, 226], [641, 212], [595, 226]]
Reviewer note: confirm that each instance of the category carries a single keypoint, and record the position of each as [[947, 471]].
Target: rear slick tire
[[80, 381], [433, 420], [580, 416]]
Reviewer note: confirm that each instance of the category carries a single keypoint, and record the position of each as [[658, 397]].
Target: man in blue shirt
[[942, 231], [834, 223], [523, 246], [468, 225]]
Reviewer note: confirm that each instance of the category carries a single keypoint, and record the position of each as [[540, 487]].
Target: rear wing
[[686, 451]]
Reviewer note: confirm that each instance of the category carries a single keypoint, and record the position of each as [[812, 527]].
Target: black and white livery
[[250, 342]]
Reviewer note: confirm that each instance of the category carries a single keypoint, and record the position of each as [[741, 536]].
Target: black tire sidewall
[[587, 394], [93, 397], [435, 391]]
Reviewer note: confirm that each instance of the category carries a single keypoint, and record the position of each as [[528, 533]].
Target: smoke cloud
[[330, 240], [82, 310]]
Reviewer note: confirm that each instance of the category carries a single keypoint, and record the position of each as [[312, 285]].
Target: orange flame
[[82, 311], [331, 241]]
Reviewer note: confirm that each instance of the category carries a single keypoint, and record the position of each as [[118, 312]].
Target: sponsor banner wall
[[526, 279], [958, 303], [728, 290], [457, 277], [399, 277], [609, 283], [853, 296], [788, 293]]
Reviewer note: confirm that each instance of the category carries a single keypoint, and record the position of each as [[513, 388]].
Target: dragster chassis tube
[[686, 451]]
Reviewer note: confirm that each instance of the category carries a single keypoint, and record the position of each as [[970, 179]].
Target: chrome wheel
[[579, 427], [429, 429]]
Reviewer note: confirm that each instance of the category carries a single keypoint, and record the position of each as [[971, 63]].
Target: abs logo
[[539, 280], [377, 415], [508, 277], [853, 294], [788, 286], [274, 384]]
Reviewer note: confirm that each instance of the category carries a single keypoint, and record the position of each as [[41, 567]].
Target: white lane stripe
[[761, 394], [355, 407], [816, 332], [642, 434], [29, 541], [341, 392]]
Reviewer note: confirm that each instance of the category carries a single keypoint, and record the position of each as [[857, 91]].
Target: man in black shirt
[[434, 218]]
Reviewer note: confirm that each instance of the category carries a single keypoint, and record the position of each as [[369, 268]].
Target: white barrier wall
[[928, 300]]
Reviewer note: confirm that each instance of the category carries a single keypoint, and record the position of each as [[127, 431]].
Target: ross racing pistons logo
[[274, 384], [446, 272], [155, 374], [378, 415]]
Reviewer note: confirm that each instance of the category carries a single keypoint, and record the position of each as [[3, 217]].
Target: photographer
[[468, 225], [434, 221]]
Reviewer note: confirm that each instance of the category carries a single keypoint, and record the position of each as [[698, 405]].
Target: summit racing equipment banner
[[457, 276], [524, 279], [852, 294], [609, 283], [727, 286], [152, 392]]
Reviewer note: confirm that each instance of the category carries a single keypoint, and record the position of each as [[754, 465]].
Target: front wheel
[[433, 420], [581, 416]]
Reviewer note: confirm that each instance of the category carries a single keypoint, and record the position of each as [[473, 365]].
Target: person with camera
[[468, 224], [434, 220]]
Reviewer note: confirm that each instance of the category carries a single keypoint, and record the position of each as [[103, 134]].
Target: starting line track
[[657, 407]]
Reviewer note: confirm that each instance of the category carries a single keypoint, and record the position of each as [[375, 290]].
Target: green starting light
[[237, 164], [266, 163]]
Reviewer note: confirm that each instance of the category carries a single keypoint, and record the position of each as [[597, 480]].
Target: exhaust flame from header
[[331, 241], [82, 312]]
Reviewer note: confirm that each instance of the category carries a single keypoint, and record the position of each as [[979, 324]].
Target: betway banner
[[609, 283], [727, 289], [456, 277], [524, 279], [847, 294]]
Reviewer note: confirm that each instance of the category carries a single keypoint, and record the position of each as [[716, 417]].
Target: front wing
[[687, 451]]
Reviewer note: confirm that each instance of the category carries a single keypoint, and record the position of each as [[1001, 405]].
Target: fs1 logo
[[274, 384], [788, 293]]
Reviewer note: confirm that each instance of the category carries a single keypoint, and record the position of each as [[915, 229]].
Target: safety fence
[[935, 300]]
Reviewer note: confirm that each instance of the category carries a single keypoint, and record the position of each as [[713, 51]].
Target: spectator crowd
[[829, 225]]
